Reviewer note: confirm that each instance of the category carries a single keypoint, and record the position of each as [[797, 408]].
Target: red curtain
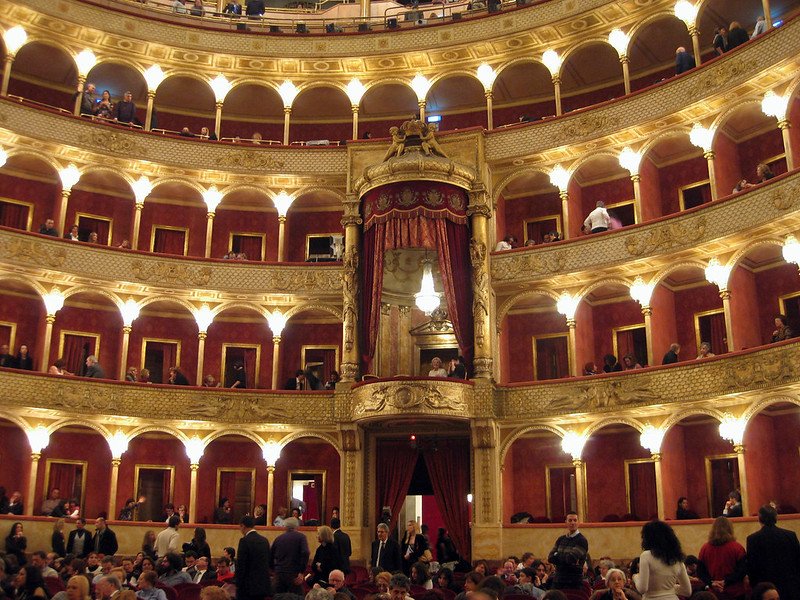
[[250, 245], [552, 358], [642, 477], [76, 349], [311, 498], [100, 226], [65, 476], [169, 355], [560, 500], [401, 216], [448, 468], [246, 356], [625, 344], [169, 241], [719, 335], [14, 215], [250, 366], [227, 486], [165, 489], [535, 230], [394, 467]]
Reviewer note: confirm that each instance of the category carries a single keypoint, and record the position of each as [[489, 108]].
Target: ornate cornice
[[40, 257], [412, 397]]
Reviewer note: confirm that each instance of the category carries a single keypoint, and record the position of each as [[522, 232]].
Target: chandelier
[[427, 299]]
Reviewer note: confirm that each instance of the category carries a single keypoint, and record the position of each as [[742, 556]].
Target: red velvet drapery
[[719, 335], [14, 215], [76, 349], [425, 215], [169, 241], [227, 486], [560, 500], [625, 343], [552, 358], [250, 245], [448, 468], [311, 498], [395, 462], [65, 476], [642, 477], [101, 227]]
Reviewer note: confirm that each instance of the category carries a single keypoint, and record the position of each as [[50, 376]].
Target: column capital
[[571, 323], [210, 215], [115, 462], [646, 310], [563, 194], [784, 124], [725, 294], [194, 466], [139, 206], [421, 103], [65, 192], [349, 371], [50, 319], [282, 219], [386, 308], [488, 94], [577, 463], [271, 469], [126, 329], [693, 30], [479, 204], [623, 59], [738, 448], [201, 335], [35, 456], [276, 340], [287, 110], [352, 212], [656, 456], [636, 178], [556, 79], [354, 108], [708, 155], [218, 104], [151, 94]]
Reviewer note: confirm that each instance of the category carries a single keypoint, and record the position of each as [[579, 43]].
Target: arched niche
[[22, 315], [674, 177], [44, 73], [321, 113], [523, 89], [118, 78], [30, 189], [16, 464], [460, 100], [594, 66], [601, 178], [239, 334], [183, 101], [385, 105], [101, 202], [251, 108], [314, 216], [652, 50], [312, 337], [174, 220], [528, 207], [246, 221]]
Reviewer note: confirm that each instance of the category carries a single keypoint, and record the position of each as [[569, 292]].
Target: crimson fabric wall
[[760, 460], [232, 128], [28, 313], [299, 224], [608, 316], [432, 517], [263, 221], [605, 454], [15, 459], [333, 132], [519, 332], [524, 474], [759, 149], [644, 81], [674, 473], [581, 100], [529, 207], [225, 332], [691, 301], [39, 93], [650, 190], [610, 192], [297, 335], [154, 449], [787, 462], [771, 284], [80, 443], [662, 324], [308, 454], [43, 195], [673, 177], [191, 217], [727, 164], [506, 115], [104, 320], [584, 337], [119, 210], [744, 310], [176, 122], [179, 327]]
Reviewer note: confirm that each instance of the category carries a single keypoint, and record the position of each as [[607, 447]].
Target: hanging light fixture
[[427, 299]]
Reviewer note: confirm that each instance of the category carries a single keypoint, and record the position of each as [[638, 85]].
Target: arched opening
[[30, 190], [102, 203], [314, 217], [529, 208], [534, 341], [246, 223], [594, 66], [385, 105], [601, 178], [321, 113], [183, 101], [119, 78], [174, 220], [238, 348], [16, 464], [523, 92], [652, 51], [311, 340], [251, 108], [44, 73], [459, 100], [22, 315]]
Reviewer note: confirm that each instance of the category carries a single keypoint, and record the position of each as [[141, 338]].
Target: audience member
[[773, 555], [662, 573], [733, 506], [234, 9], [223, 514], [765, 591], [17, 543], [705, 351], [170, 570], [167, 539], [72, 234], [125, 110], [239, 376], [48, 228], [569, 555], [209, 381], [57, 368], [197, 9], [598, 220], [683, 61], [179, 7], [104, 107], [104, 540], [457, 369], [53, 499], [252, 572], [671, 357], [93, 238], [385, 552], [93, 368], [610, 364], [6, 360], [782, 329], [176, 377], [24, 360], [436, 368], [736, 35], [629, 362], [615, 588], [722, 564], [255, 8], [79, 541], [342, 542], [761, 26], [147, 587], [204, 131], [683, 513], [720, 40], [87, 99], [414, 547], [132, 374], [289, 558], [15, 505], [591, 368], [29, 584], [507, 243], [58, 540], [297, 382]]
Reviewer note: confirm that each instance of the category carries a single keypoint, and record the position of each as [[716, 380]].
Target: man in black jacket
[[683, 61], [569, 554], [105, 540], [79, 542], [125, 110], [386, 551], [342, 542], [252, 563], [773, 554]]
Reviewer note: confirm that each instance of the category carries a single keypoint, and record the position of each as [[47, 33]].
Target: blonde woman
[[58, 540], [327, 557], [77, 589], [414, 547]]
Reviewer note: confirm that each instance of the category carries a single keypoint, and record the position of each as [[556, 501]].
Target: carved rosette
[[415, 397]]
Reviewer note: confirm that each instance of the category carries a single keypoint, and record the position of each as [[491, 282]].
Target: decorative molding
[[249, 160], [114, 142], [418, 397], [667, 237], [170, 274], [17, 249]]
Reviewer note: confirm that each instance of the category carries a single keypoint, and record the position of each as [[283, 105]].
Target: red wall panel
[[759, 149], [524, 474], [181, 328], [239, 221], [608, 316], [691, 301], [245, 129], [744, 309], [530, 207], [226, 332], [191, 217], [301, 224], [727, 164], [106, 321], [662, 323], [333, 132], [650, 190], [46, 197], [297, 335], [701, 440], [39, 93], [28, 313], [673, 177], [787, 444], [610, 192], [119, 210], [771, 284], [674, 473], [519, 332], [15, 459], [760, 460]]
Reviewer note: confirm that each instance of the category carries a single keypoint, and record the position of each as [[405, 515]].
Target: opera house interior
[[484, 264]]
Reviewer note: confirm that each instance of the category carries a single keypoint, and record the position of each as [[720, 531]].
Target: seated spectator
[[29, 584], [204, 131], [239, 376], [671, 357], [57, 368], [256, 139], [48, 228], [124, 245], [530, 242], [782, 331], [457, 370], [6, 360], [185, 131], [144, 376], [683, 513], [53, 499], [15, 506], [106, 564], [733, 507], [105, 107], [176, 377], [209, 381], [765, 591], [93, 368], [683, 61], [420, 576], [736, 35], [224, 573], [125, 110], [629, 362], [705, 351], [77, 589], [197, 10], [223, 513], [24, 359], [147, 587], [507, 243], [255, 8], [132, 374], [93, 239], [610, 364], [761, 26], [170, 568], [72, 234], [590, 368], [16, 542], [525, 584], [179, 7], [616, 589], [233, 8], [436, 368]]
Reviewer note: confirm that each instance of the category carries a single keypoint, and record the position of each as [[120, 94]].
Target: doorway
[[158, 355], [239, 486], [246, 355], [156, 483], [562, 491], [722, 477]]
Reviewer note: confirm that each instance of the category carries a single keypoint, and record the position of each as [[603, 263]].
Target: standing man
[[683, 61], [773, 554], [569, 555], [290, 558], [342, 542], [386, 551], [105, 540], [167, 539], [598, 220], [252, 566], [79, 542], [125, 110]]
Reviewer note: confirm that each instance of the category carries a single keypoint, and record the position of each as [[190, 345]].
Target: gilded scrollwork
[[33, 252], [410, 397], [584, 126], [605, 394], [167, 273], [760, 371], [114, 143], [350, 289], [717, 79], [666, 237], [527, 264], [249, 160], [480, 290]]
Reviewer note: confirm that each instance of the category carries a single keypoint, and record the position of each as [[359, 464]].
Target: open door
[[245, 355], [158, 355], [69, 476], [562, 491], [156, 483], [239, 486], [722, 477], [75, 346]]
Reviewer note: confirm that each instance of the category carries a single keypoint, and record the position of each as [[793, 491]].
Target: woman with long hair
[[29, 584], [58, 541], [414, 547], [149, 544], [661, 570], [723, 564], [199, 545], [326, 558], [420, 576], [17, 543]]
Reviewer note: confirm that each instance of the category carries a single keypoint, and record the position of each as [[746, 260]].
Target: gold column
[[209, 233], [626, 73], [659, 486], [580, 489], [123, 358], [366, 8], [637, 198], [276, 358], [30, 498], [112, 492], [726, 307], [193, 493], [709, 156], [77, 108], [784, 126], [487, 491], [352, 468], [479, 212], [767, 16], [354, 108], [564, 195], [6, 74], [573, 348], [350, 262], [557, 88], [385, 341], [148, 119], [201, 350], [405, 360], [44, 363], [739, 449], [281, 233], [287, 112], [61, 217], [137, 223], [695, 33], [489, 117], [648, 330], [218, 119], [421, 104], [270, 489]]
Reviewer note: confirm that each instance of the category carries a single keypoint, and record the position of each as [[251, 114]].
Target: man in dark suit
[[773, 554], [104, 541], [298, 382], [79, 542], [342, 542], [386, 551], [202, 572], [252, 563], [683, 61]]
